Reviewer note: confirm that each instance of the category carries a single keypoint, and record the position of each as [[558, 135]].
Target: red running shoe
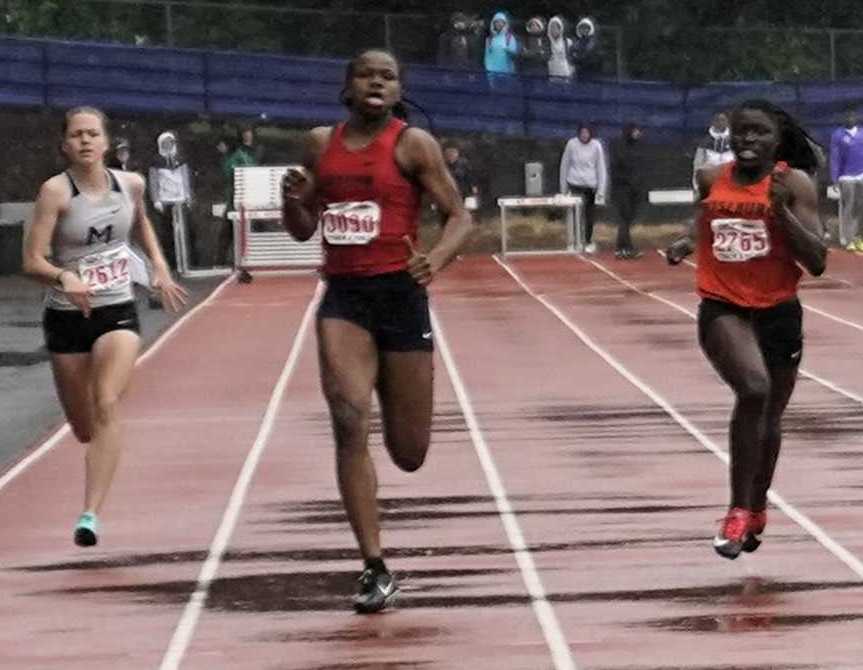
[[757, 524], [733, 533]]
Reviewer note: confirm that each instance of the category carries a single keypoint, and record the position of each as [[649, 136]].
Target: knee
[[105, 410], [754, 391], [409, 462], [83, 434], [349, 420]]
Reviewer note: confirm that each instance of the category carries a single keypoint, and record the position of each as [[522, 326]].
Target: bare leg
[[349, 368], [405, 390], [113, 359], [73, 380], [731, 346]]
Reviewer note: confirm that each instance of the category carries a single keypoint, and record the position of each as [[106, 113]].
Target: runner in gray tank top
[[77, 245]]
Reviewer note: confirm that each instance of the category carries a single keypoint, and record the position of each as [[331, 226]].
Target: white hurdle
[[258, 197]]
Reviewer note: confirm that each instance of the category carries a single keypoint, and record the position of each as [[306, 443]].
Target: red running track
[[563, 519]]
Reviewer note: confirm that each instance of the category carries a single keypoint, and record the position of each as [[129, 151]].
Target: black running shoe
[[378, 590]]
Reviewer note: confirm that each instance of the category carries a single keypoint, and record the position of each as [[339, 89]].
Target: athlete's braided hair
[[796, 147]]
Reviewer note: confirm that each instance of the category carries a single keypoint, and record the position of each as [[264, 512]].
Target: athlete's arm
[[685, 245], [420, 155], [52, 199], [299, 215], [172, 293], [795, 200]]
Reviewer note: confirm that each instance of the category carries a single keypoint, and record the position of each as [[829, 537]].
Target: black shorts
[[779, 329], [68, 332], [392, 307]]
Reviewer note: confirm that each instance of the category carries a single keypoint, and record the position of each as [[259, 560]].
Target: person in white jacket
[[583, 172]]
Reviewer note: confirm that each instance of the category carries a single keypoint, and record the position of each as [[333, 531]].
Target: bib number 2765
[[739, 240]]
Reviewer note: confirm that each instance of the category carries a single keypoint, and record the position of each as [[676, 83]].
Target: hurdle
[[258, 198]]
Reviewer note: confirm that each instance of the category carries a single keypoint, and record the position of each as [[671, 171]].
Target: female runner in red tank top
[[361, 183], [758, 224]]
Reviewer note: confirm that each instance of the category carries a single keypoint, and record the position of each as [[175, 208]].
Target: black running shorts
[[68, 332], [392, 307], [779, 329]]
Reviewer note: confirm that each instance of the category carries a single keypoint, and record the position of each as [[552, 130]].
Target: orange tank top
[[743, 253]]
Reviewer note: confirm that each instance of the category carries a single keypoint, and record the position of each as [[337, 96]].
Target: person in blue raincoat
[[501, 47]]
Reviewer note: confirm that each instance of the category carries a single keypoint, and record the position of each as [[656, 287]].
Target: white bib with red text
[[351, 222], [739, 240], [106, 271]]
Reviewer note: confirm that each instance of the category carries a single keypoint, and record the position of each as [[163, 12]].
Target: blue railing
[[305, 91]]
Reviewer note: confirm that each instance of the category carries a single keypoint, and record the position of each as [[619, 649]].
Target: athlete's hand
[[420, 266], [298, 185], [76, 291], [173, 295], [678, 250]]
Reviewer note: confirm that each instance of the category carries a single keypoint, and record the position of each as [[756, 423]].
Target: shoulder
[[56, 189], [706, 177], [800, 182], [320, 135], [417, 149], [411, 136], [132, 181]]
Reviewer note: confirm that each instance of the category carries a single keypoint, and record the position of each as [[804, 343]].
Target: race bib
[[106, 271], [739, 240], [351, 222]]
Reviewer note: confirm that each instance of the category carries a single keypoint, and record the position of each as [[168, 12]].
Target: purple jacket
[[846, 153]]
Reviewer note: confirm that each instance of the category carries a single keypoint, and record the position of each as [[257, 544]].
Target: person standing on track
[[758, 225], [362, 182], [583, 172], [77, 246]]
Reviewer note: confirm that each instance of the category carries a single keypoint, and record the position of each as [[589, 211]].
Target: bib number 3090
[[106, 271], [739, 240], [351, 222]]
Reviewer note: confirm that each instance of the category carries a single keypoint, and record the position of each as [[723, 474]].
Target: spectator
[[225, 245], [247, 154], [535, 53], [120, 157], [715, 147], [458, 48], [585, 49], [501, 48], [559, 63], [583, 172], [846, 172], [461, 172], [627, 186]]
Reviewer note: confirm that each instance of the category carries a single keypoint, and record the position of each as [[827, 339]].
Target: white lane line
[[51, 441], [814, 310], [189, 619], [820, 535], [851, 395], [542, 608]]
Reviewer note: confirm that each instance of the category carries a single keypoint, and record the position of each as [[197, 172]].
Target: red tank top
[[743, 253], [366, 205]]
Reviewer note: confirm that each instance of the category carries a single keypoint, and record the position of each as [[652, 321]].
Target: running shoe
[[378, 590], [757, 524], [590, 248], [858, 245], [733, 533], [85, 530]]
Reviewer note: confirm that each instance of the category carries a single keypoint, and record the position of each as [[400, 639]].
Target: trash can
[[533, 182]]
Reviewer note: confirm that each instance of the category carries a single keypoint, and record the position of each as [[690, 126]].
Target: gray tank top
[[90, 239]]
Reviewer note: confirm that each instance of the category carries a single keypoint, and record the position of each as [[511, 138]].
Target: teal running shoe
[[85, 530]]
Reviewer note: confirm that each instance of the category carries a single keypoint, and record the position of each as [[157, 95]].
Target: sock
[[376, 564]]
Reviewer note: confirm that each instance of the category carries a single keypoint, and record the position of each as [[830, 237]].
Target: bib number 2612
[[106, 271]]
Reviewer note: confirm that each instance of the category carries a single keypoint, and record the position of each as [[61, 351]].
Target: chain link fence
[[638, 52]]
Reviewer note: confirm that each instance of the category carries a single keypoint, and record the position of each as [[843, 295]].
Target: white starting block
[[258, 197]]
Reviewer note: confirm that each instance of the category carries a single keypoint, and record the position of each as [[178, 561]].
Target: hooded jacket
[[501, 48], [535, 53], [713, 149], [583, 164], [559, 63], [457, 47], [585, 51]]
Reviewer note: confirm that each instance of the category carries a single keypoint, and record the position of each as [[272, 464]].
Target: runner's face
[[85, 141], [754, 138], [375, 85]]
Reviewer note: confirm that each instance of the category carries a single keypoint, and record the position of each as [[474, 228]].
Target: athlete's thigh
[[731, 345], [405, 391], [73, 379], [114, 355], [348, 360]]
